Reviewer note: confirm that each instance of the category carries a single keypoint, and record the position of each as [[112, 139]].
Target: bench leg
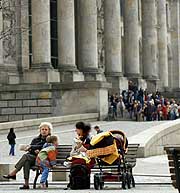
[[46, 183], [35, 179], [132, 179]]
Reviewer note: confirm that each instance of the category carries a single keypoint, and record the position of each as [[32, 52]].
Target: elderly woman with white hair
[[28, 159]]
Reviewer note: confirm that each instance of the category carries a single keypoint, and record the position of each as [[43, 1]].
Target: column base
[[41, 76], [72, 76], [69, 73], [93, 74], [151, 78], [118, 84], [42, 66], [142, 84], [139, 82], [112, 74], [67, 68], [133, 75], [152, 85]]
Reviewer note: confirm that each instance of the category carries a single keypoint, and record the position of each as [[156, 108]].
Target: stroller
[[109, 149]]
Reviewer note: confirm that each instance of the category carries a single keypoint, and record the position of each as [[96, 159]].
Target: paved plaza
[[114, 189], [145, 167]]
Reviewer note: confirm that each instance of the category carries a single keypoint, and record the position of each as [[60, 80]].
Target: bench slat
[[172, 170], [170, 156], [131, 156], [173, 177]]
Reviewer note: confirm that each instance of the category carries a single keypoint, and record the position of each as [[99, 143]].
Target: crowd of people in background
[[142, 105]]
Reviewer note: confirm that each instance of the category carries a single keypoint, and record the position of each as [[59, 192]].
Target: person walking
[[11, 138]]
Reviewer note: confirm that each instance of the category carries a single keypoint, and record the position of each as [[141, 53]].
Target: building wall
[[15, 40], [82, 33], [32, 101]]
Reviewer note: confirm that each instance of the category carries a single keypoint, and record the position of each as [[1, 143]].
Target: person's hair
[[80, 125], [51, 139], [48, 124], [84, 127], [87, 128], [96, 127], [11, 130]]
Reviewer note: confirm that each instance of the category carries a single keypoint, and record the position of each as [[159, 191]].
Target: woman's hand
[[82, 149], [27, 148], [36, 151]]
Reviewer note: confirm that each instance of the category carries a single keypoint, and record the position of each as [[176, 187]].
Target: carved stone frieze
[[100, 29], [9, 31]]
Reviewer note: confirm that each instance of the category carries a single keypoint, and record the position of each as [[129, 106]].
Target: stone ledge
[[25, 124], [81, 85], [153, 140], [41, 86], [23, 87]]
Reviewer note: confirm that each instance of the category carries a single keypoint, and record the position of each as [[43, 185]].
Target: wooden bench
[[130, 159], [64, 152], [173, 153]]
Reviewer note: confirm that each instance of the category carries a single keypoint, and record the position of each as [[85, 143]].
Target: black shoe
[[24, 187], [10, 177]]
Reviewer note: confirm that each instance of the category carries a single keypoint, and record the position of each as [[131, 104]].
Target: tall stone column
[[112, 37], [41, 70], [41, 46], [162, 43], [87, 42], [66, 35], [149, 36], [22, 35], [66, 42], [175, 42], [112, 32], [132, 63]]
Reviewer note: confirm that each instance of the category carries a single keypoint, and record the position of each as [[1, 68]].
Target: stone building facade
[[64, 49]]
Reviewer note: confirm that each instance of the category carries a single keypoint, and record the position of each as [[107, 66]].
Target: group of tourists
[[143, 106], [42, 151]]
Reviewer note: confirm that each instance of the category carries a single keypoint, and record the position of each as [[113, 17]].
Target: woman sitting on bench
[[81, 144], [28, 159]]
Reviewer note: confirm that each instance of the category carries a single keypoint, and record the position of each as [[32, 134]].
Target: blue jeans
[[45, 172], [11, 152]]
